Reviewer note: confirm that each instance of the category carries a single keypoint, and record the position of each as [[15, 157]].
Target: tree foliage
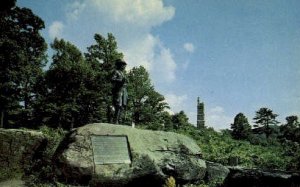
[[180, 120], [263, 119], [291, 130], [241, 128], [145, 104], [22, 57], [57, 82], [101, 57], [67, 87]]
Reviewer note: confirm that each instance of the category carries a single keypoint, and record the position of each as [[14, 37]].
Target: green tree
[[241, 128], [291, 130], [67, 96], [101, 56], [167, 118], [22, 57], [263, 119], [180, 120], [146, 106]]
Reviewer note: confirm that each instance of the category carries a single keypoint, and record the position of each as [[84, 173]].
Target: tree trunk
[[59, 121], [2, 119], [72, 123]]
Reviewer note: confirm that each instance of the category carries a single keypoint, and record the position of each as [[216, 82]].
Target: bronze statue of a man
[[119, 91]]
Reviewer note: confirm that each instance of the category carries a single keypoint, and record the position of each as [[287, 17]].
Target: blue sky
[[236, 55]]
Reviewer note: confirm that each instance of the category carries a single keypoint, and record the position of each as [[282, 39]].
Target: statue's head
[[120, 64]]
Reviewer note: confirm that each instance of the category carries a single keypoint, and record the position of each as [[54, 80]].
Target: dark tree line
[[266, 127], [267, 132]]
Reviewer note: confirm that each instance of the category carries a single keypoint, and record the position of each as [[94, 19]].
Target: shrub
[[41, 171], [220, 147], [170, 182], [10, 173]]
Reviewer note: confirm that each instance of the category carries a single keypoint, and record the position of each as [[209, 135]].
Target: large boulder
[[18, 148], [216, 173], [154, 156]]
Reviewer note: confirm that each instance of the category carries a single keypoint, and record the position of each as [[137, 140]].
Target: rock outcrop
[[18, 148], [155, 155], [259, 178], [216, 173]]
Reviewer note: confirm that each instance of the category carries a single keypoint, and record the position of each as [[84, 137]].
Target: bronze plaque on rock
[[110, 149]]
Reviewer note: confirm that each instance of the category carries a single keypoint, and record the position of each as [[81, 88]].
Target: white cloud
[[216, 118], [74, 9], [189, 47], [175, 101], [136, 12], [217, 110], [165, 66], [141, 52], [56, 29], [192, 116], [150, 53], [131, 22]]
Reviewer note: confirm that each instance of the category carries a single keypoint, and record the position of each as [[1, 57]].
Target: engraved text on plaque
[[110, 149]]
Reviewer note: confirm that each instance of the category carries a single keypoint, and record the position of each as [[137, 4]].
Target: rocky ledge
[[19, 148], [258, 178]]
